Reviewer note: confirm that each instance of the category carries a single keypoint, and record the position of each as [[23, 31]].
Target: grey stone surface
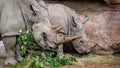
[[2, 49]]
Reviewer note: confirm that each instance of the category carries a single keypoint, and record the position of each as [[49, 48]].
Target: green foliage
[[46, 59], [26, 40]]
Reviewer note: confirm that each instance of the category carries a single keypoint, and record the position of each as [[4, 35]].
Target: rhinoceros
[[14, 15], [21, 14], [62, 16]]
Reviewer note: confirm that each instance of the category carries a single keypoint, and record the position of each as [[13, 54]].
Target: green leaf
[[23, 48]]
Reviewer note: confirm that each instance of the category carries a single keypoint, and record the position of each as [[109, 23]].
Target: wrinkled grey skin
[[24, 14], [60, 15], [15, 15], [47, 35]]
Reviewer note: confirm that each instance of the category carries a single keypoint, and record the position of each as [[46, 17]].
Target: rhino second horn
[[56, 29]]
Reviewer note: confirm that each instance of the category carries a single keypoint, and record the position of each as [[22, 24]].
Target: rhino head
[[81, 44], [48, 36]]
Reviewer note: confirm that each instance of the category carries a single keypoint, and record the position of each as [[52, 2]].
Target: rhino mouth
[[48, 48]]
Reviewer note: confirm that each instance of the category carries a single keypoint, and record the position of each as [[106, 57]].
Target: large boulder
[[103, 29], [115, 2]]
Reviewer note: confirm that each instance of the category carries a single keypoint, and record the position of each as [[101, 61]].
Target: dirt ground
[[97, 61], [111, 64]]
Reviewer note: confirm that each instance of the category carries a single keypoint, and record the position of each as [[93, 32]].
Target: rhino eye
[[81, 41], [43, 34]]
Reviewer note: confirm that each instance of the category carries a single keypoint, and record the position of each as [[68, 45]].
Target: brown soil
[[113, 64]]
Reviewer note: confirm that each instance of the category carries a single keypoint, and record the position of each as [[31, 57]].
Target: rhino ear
[[78, 21], [41, 3], [85, 19], [34, 9], [74, 21], [34, 6]]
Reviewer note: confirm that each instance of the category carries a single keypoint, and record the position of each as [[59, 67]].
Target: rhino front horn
[[63, 39]]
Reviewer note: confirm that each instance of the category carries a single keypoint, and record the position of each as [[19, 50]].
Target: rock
[[112, 2], [2, 49]]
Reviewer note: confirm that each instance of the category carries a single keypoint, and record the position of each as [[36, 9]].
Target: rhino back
[[61, 15], [58, 16]]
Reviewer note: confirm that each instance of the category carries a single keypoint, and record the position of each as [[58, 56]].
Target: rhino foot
[[60, 50], [10, 61], [19, 58], [60, 54]]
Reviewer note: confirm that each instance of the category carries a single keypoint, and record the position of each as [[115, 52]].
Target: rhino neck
[[27, 13], [30, 14]]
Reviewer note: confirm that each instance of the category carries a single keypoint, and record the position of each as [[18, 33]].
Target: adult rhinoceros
[[16, 15], [62, 16]]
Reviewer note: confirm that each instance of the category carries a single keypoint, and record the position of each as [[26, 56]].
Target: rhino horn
[[56, 29], [64, 39], [53, 27]]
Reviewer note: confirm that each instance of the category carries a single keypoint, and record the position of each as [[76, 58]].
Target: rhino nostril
[[82, 53], [85, 52], [50, 48]]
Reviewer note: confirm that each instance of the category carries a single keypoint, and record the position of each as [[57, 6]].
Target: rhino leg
[[18, 57], [9, 43], [60, 50]]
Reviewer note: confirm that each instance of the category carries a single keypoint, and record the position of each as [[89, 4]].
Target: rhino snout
[[48, 48]]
